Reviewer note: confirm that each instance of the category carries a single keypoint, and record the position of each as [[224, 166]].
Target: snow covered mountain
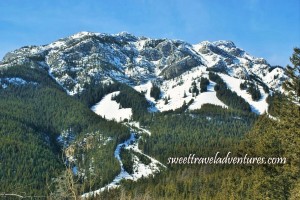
[[174, 66]]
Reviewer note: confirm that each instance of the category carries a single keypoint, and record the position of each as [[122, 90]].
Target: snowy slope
[[177, 92], [177, 88], [259, 106], [207, 97], [110, 109]]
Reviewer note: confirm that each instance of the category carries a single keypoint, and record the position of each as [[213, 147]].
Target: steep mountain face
[[176, 67]]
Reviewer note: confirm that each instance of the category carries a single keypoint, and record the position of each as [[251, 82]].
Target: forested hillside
[[32, 117], [267, 138]]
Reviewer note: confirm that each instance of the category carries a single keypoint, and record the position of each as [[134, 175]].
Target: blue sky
[[264, 28]]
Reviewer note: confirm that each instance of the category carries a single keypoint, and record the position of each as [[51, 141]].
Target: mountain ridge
[[85, 58]]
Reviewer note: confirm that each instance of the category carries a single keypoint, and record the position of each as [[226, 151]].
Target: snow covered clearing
[[111, 110], [259, 106], [177, 91], [207, 97]]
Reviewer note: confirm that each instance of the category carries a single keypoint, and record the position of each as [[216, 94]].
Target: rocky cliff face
[[86, 59], [77, 60]]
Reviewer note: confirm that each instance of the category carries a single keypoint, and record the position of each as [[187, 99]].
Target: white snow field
[[110, 109], [259, 106]]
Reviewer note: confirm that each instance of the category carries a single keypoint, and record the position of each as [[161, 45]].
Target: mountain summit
[[175, 67]]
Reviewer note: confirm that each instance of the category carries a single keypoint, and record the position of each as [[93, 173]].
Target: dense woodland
[[32, 117]]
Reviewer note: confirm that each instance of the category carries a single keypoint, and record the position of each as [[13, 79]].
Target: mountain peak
[[83, 34], [126, 36], [225, 43]]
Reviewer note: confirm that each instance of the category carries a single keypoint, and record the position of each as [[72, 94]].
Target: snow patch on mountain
[[209, 97], [137, 128], [275, 78], [82, 34], [233, 84], [140, 169], [146, 89], [57, 44], [5, 82], [111, 110], [177, 91], [140, 44]]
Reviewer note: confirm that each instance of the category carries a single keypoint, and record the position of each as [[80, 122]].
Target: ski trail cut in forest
[[139, 169]]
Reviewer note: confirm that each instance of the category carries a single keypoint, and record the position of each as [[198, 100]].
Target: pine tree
[[155, 92], [184, 95], [292, 85], [204, 82], [243, 85], [166, 101]]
